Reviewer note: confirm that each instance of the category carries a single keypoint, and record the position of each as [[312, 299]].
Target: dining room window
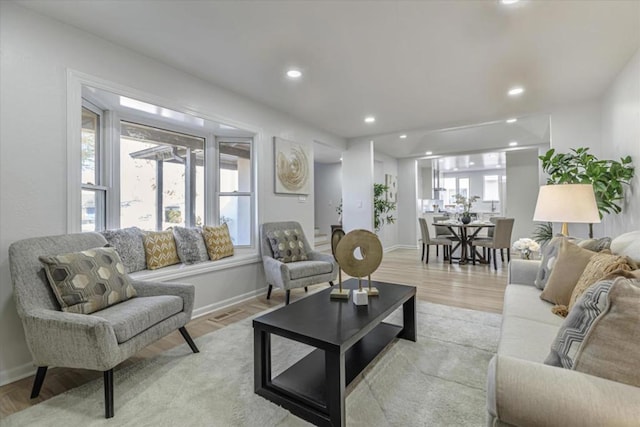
[[491, 188]]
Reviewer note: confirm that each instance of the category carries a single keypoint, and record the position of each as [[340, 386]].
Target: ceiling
[[413, 65], [467, 162]]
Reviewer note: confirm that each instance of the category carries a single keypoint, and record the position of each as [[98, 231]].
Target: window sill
[[241, 257]]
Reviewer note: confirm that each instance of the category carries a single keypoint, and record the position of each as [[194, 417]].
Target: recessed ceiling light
[[340, 158], [455, 169], [513, 143], [440, 160], [515, 91], [471, 163], [294, 74], [507, 2], [498, 165], [403, 136], [428, 153], [369, 119], [512, 120]]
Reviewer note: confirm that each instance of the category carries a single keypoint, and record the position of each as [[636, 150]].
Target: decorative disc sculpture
[[339, 293], [370, 258]]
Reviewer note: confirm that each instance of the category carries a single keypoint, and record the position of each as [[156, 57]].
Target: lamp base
[[565, 229]]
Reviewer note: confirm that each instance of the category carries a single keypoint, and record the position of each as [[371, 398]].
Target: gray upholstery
[[428, 240], [318, 268], [103, 339], [523, 391]]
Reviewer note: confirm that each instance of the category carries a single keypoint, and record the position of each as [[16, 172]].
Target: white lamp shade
[[568, 203]]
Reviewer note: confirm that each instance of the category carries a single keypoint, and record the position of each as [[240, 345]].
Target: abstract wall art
[[292, 167]]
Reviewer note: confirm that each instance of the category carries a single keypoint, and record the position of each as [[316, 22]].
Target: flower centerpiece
[[466, 203], [526, 247]]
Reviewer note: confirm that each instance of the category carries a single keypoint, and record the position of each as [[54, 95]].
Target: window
[[463, 186], [449, 193], [163, 171], [235, 193], [491, 188], [93, 197]]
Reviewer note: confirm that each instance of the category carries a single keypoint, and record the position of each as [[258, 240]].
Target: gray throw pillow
[[190, 245], [287, 246], [128, 242], [549, 255]]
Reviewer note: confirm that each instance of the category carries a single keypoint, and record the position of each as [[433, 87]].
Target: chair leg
[[187, 338], [495, 262], [501, 254], [108, 393], [37, 383], [305, 289], [330, 283], [288, 297], [473, 254], [509, 254], [422, 257], [450, 255], [269, 291], [426, 261], [437, 246]]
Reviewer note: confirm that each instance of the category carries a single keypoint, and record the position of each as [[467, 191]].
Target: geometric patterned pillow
[[549, 255], [218, 241], [88, 281], [160, 249], [600, 335], [128, 243], [287, 245], [190, 245]]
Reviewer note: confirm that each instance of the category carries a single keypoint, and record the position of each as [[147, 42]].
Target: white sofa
[[523, 391]]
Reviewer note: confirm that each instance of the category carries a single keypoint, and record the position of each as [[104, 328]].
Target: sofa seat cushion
[[136, 315], [526, 339], [301, 269], [524, 301]]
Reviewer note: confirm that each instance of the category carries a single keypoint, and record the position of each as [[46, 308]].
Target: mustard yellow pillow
[[160, 249], [218, 241]]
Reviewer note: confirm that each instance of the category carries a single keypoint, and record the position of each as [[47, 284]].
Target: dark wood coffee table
[[347, 338]]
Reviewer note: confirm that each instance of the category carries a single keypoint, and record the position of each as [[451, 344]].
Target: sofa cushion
[[88, 281], [300, 269], [218, 241], [286, 245], [601, 336], [190, 245], [524, 301], [598, 267], [566, 272], [627, 244], [131, 317], [526, 339], [128, 243], [160, 249]]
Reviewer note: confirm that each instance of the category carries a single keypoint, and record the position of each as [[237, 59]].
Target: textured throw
[[437, 381]]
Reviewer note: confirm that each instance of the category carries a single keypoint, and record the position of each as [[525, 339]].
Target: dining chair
[[427, 241], [442, 231], [501, 240], [489, 236]]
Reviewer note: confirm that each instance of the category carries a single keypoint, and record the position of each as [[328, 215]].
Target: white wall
[[576, 125], [36, 54], [385, 165], [522, 191], [327, 194], [621, 137], [408, 232], [357, 186]]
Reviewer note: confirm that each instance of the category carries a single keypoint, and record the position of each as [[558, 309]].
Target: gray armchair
[[102, 339], [318, 268]]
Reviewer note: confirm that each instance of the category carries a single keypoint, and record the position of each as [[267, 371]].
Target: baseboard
[[207, 309], [396, 247], [28, 369], [17, 373]]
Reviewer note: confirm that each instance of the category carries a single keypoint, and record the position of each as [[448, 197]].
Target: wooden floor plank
[[476, 287]]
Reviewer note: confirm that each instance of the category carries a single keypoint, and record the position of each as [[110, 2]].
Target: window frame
[[484, 188], [98, 188]]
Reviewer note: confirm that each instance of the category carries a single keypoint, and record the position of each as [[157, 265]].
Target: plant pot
[[466, 219]]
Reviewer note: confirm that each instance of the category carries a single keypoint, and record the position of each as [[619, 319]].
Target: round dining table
[[464, 234]]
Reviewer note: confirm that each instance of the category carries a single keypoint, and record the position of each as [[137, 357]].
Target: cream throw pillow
[[160, 249], [566, 272]]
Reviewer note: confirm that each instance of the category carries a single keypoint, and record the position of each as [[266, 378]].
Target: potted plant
[[466, 203], [382, 208], [608, 177]]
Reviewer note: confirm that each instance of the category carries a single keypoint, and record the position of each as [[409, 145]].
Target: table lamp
[[567, 203]]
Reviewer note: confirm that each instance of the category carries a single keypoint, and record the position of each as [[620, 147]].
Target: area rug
[[437, 381]]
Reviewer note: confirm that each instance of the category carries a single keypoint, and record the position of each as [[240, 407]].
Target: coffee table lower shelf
[[302, 388]]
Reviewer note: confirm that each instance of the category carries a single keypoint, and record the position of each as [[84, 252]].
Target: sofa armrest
[[523, 271], [148, 288], [276, 272], [529, 393], [58, 338]]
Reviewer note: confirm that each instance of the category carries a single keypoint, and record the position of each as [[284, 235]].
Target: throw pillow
[[128, 243], [88, 281], [571, 262], [287, 246], [218, 241], [627, 244], [599, 266], [160, 249], [595, 245], [549, 255], [190, 245], [600, 336]]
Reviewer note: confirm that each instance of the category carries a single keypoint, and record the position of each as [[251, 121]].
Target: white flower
[[526, 244]]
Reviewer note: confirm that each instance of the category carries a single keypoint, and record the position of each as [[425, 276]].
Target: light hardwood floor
[[476, 287]]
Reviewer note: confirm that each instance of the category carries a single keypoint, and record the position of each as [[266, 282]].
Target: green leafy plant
[[543, 233], [382, 208], [608, 177], [466, 202]]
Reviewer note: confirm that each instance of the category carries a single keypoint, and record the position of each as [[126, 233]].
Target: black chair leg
[[305, 289], [473, 254], [422, 257], [437, 246], [108, 393], [450, 254], [269, 291], [37, 383], [426, 260], [288, 297], [495, 260], [501, 254], [188, 339], [331, 283], [508, 254]]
